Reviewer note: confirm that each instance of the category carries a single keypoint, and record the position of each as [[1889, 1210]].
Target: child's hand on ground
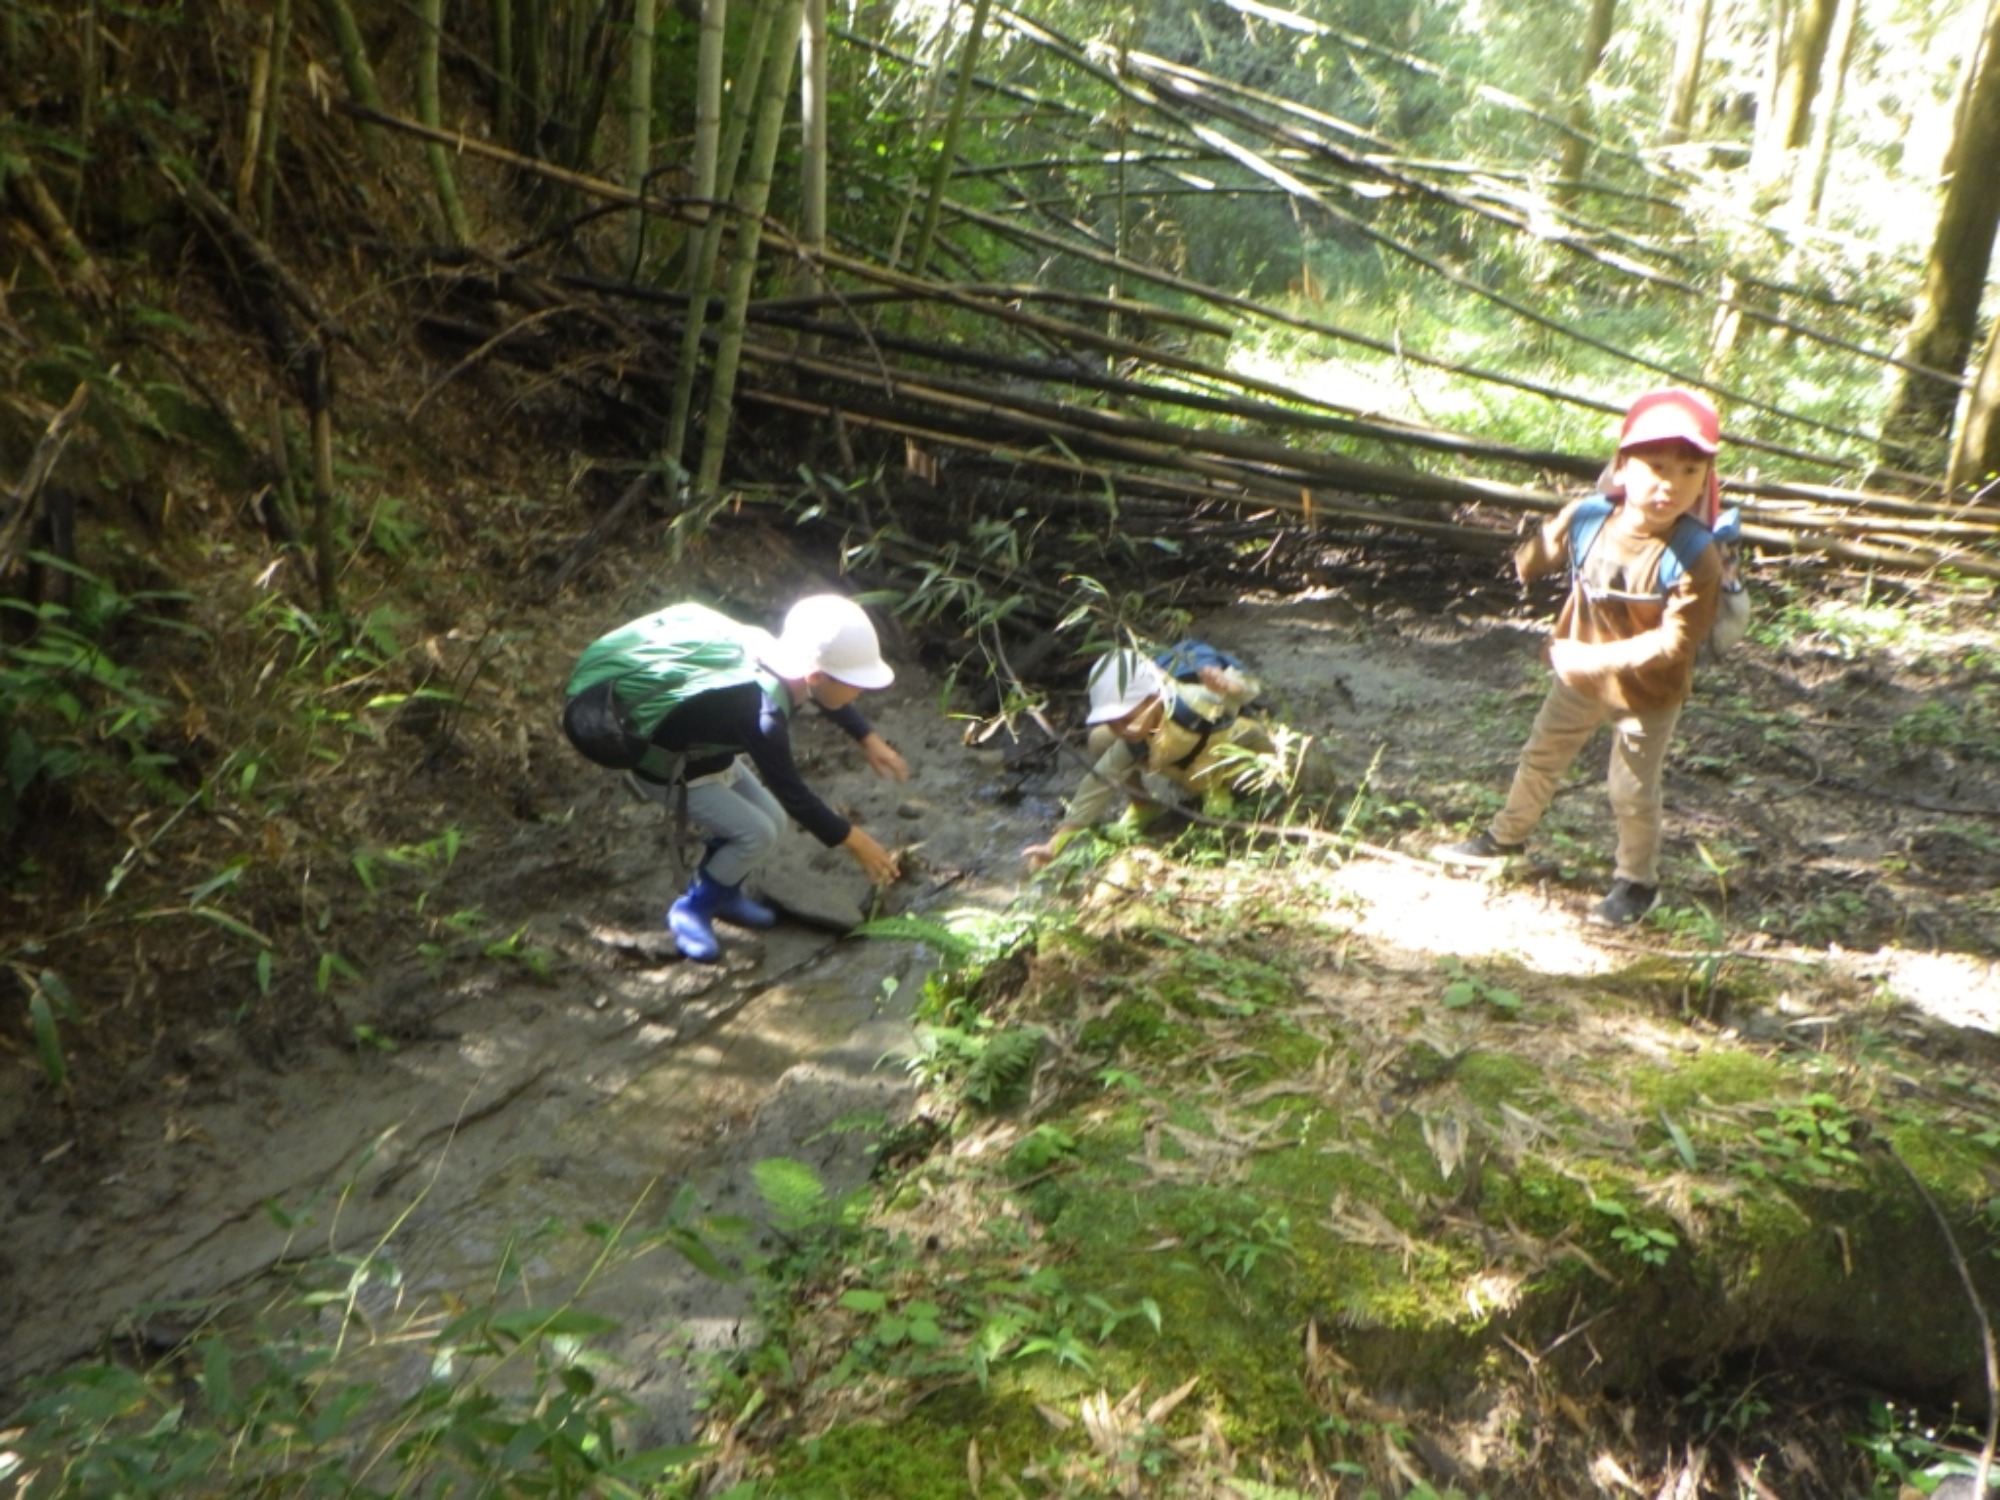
[[1039, 855], [884, 759], [877, 863]]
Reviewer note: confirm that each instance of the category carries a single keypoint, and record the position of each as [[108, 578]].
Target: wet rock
[[831, 904]]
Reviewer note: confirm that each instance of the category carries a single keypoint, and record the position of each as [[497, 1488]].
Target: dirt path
[[508, 1100]]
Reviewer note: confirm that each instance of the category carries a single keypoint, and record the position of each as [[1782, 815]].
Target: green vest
[[658, 661]]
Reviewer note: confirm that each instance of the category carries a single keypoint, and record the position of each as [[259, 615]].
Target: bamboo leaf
[[48, 1041]]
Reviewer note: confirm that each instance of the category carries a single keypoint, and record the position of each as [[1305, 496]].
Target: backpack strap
[[1689, 541], [1200, 742], [1584, 524]]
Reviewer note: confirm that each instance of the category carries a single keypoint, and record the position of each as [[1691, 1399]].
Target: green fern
[[793, 1192], [1001, 1069], [953, 946]]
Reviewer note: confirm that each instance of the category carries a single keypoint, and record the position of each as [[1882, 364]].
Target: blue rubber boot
[[734, 906], [743, 910], [691, 919]]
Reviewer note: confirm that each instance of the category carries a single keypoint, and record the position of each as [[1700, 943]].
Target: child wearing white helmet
[[1171, 715], [675, 697]]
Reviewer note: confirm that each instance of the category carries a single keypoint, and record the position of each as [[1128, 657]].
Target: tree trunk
[[1690, 46], [319, 406], [755, 197], [596, 55], [968, 57], [1976, 457], [639, 128], [1940, 335], [1801, 58], [431, 26], [1576, 145], [1812, 178]]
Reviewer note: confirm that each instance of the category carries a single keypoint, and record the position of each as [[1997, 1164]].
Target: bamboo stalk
[[756, 193], [18, 521], [1547, 214], [274, 115], [1801, 531], [359, 76], [431, 29], [40, 209]]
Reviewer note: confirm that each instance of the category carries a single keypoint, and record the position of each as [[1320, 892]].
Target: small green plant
[[510, 1399], [998, 1072], [1235, 1246], [1831, 917], [1374, 816], [914, 1323], [70, 709], [516, 949], [1650, 1245], [1808, 1142], [1721, 1409], [1040, 1149], [429, 858], [1910, 1448], [50, 1004], [798, 1200], [1467, 988], [332, 966]]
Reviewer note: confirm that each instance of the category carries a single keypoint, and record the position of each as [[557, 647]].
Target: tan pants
[[1638, 757]]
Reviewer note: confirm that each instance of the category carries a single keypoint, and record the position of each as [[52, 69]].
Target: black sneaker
[[1481, 849], [1627, 903]]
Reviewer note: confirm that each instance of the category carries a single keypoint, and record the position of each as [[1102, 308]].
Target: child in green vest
[[675, 697]]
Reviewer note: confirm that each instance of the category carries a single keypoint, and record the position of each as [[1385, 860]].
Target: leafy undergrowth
[[1221, 1199]]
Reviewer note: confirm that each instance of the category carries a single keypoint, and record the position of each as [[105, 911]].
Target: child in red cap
[[1645, 586]]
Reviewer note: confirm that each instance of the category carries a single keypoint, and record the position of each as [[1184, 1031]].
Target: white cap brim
[[874, 675]]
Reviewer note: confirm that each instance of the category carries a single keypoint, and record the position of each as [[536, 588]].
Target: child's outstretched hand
[[884, 759], [1221, 681]]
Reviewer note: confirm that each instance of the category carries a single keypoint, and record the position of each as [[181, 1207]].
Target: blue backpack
[[1185, 661], [1689, 540]]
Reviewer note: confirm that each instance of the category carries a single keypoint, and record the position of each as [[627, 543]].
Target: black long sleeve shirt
[[746, 720]]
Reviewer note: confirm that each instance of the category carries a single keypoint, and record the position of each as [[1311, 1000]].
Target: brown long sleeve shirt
[[1638, 646]]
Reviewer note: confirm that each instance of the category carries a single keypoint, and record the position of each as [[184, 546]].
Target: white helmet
[[832, 634], [1119, 684]]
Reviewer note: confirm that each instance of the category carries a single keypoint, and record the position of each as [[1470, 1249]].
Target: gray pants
[[1638, 758], [732, 806]]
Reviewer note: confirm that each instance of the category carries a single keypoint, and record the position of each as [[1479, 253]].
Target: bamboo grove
[[997, 246]]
